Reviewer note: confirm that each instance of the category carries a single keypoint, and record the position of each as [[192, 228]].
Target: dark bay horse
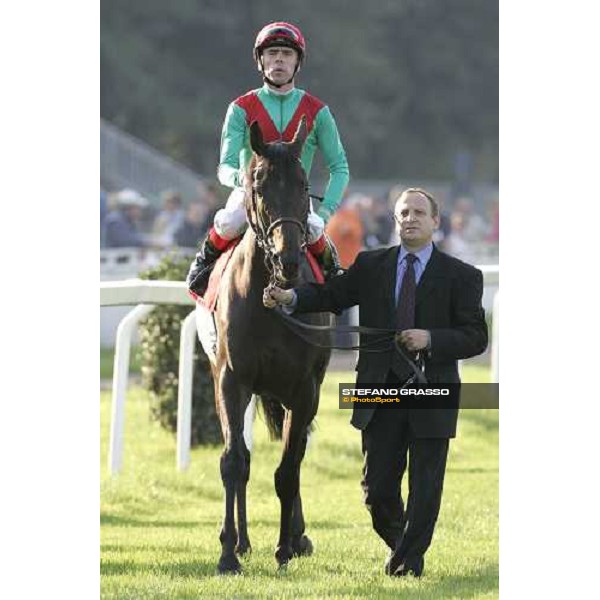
[[256, 353]]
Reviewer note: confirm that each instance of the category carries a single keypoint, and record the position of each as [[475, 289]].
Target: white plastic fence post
[[184, 391], [496, 339], [120, 377]]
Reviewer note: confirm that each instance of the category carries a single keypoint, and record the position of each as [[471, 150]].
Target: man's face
[[414, 223], [279, 63]]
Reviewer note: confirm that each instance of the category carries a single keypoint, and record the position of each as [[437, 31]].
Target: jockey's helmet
[[279, 33]]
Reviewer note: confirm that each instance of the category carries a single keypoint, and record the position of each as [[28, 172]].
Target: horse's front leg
[[232, 398], [301, 543], [243, 544], [287, 476]]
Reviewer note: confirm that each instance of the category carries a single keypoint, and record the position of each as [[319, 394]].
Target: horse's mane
[[249, 179], [251, 165]]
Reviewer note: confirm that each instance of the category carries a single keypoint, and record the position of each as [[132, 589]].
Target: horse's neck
[[254, 269]]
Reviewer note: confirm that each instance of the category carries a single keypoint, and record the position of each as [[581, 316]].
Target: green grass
[[159, 528], [107, 357], [473, 373]]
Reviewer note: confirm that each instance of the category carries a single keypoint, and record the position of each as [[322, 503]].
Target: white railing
[[147, 294]]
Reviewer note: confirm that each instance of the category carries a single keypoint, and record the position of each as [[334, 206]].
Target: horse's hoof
[[302, 546], [229, 565], [283, 555], [243, 549]]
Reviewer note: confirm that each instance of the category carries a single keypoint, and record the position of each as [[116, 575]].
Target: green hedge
[[159, 336]]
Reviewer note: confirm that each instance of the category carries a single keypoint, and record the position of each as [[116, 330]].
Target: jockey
[[279, 51]]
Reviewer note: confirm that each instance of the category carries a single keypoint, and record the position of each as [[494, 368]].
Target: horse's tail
[[274, 415]]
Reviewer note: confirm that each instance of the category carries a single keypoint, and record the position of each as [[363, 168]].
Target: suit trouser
[[386, 442]]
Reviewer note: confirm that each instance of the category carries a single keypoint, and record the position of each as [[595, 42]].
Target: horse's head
[[278, 203]]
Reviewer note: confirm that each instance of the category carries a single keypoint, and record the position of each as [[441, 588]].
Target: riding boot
[[328, 258], [201, 268]]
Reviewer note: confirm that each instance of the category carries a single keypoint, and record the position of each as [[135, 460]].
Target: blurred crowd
[[367, 222], [129, 220]]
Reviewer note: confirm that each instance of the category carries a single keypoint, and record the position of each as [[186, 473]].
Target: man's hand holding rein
[[273, 295]]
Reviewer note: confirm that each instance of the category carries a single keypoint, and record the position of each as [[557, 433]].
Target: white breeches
[[230, 221]]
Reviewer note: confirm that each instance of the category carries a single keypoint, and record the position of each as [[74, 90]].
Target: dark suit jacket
[[448, 304]]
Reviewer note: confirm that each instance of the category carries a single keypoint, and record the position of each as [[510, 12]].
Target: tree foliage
[[159, 342], [410, 82]]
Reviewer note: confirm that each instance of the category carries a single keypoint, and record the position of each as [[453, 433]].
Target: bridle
[[264, 232]]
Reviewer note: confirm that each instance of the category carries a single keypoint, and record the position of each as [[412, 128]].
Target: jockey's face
[[279, 63], [414, 222]]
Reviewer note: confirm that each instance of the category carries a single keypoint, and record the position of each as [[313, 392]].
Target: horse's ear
[[299, 137], [256, 139]]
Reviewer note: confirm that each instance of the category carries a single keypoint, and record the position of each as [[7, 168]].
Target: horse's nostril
[[288, 270]]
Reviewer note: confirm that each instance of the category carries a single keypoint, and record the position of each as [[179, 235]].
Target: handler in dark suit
[[435, 300]]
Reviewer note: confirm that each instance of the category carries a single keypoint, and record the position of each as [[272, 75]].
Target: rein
[[390, 337]]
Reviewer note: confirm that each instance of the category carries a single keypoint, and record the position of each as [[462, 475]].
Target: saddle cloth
[[209, 300]]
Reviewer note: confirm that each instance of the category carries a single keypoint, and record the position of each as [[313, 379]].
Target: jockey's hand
[[274, 295], [415, 339]]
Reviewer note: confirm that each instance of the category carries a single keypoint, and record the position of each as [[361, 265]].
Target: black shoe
[[201, 268], [395, 568]]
